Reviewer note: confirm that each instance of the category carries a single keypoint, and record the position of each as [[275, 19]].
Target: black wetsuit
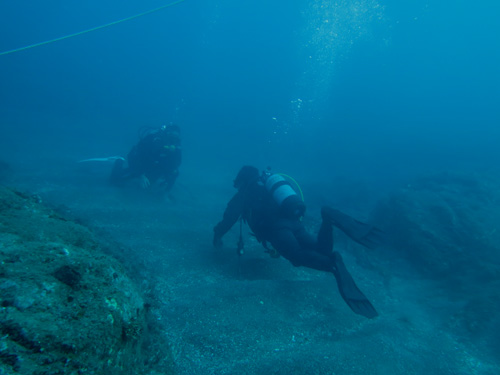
[[290, 239], [157, 156], [286, 234]]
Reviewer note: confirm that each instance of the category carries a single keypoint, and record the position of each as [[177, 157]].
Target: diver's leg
[[325, 236], [287, 244], [348, 289], [284, 240], [323, 243]]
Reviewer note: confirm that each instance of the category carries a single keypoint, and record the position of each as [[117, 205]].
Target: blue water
[[372, 91], [373, 88]]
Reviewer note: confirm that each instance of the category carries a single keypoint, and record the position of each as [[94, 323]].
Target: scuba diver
[[273, 212], [154, 160]]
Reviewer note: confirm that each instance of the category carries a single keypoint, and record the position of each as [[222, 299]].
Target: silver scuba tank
[[283, 195]]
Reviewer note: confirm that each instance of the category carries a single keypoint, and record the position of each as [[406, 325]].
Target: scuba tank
[[289, 203]]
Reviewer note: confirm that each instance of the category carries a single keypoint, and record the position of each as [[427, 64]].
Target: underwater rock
[[68, 275], [446, 225], [65, 306]]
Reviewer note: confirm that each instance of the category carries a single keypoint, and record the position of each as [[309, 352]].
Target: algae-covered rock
[[65, 306]]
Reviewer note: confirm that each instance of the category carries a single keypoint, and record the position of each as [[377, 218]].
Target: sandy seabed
[[225, 314]]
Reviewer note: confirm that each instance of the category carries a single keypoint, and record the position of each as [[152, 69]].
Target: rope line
[[90, 30]]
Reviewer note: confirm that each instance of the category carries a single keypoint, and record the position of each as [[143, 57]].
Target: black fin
[[364, 234], [349, 291]]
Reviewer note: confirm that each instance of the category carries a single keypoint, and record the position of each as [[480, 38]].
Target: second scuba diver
[[154, 160]]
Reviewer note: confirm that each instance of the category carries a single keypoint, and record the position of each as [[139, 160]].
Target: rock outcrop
[[65, 306], [448, 226]]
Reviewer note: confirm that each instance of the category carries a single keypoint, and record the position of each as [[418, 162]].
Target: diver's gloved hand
[[144, 181]]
